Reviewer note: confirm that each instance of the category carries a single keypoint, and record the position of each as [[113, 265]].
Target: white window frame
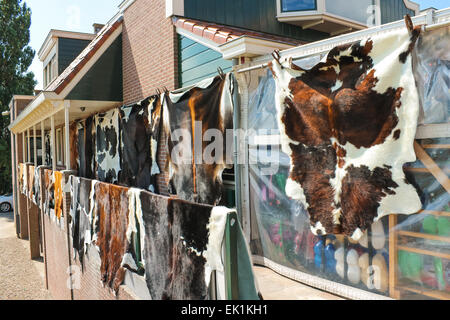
[[321, 13]]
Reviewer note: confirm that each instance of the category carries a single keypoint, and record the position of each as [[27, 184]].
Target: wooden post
[[28, 145], [52, 143], [35, 146], [43, 143], [393, 258], [67, 133]]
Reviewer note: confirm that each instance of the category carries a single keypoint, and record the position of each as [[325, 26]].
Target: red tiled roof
[[221, 34], [71, 71]]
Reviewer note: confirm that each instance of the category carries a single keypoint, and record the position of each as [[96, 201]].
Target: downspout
[[236, 125]]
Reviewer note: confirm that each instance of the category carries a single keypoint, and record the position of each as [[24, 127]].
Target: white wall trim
[[174, 8], [125, 4], [250, 47], [203, 41], [412, 5]]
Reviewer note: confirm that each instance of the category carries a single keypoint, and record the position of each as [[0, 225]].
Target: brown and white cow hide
[[73, 140], [181, 244], [107, 146], [348, 126], [111, 224], [58, 193], [139, 133], [209, 103]]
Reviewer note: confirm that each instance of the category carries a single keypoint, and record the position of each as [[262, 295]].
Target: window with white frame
[[298, 5]]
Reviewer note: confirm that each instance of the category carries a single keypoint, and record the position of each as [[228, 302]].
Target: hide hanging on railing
[[196, 123], [139, 135], [37, 186], [86, 147], [107, 146], [348, 126], [58, 193], [49, 192], [30, 182]]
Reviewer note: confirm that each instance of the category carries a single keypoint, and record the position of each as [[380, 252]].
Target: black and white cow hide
[[139, 133], [86, 148], [81, 214], [107, 146], [348, 126], [204, 112]]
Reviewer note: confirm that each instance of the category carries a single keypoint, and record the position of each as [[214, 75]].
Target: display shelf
[[398, 238], [423, 236], [436, 294], [427, 252]]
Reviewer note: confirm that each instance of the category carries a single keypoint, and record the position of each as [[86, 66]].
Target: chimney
[[97, 27]]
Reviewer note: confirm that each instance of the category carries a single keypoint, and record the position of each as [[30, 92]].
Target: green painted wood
[[68, 50], [231, 257], [393, 10], [200, 59], [256, 15], [103, 81], [197, 62]]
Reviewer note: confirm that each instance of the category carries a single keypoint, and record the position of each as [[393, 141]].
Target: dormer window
[[330, 16], [298, 5]]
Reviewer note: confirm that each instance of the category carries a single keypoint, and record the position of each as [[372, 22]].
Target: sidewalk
[[20, 277]]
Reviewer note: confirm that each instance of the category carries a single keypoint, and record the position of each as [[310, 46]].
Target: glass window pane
[[298, 5]]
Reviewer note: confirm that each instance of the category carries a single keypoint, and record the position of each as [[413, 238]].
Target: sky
[[71, 15], [79, 15]]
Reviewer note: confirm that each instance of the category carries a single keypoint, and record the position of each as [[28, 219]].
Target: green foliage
[[15, 59]]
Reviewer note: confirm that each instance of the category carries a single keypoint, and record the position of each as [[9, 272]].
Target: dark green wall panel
[[68, 50], [197, 62], [257, 15], [103, 81], [393, 10]]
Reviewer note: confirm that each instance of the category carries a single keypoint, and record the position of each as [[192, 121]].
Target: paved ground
[[276, 287], [20, 277]]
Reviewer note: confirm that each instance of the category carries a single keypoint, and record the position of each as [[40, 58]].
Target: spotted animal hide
[[86, 147], [139, 133], [111, 224], [107, 146], [21, 171], [195, 122], [49, 196], [348, 125], [73, 140], [80, 211], [181, 245], [37, 186], [30, 180], [58, 193]]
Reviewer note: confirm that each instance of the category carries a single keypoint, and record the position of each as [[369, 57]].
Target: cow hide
[[49, 198], [107, 146], [73, 140], [21, 171], [58, 193], [111, 224], [86, 147], [348, 126], [192, 177], [31, 182], [37, 186], [139, 132], [81, 214], [182, 244]]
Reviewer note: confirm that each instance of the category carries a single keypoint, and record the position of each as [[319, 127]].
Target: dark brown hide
[[73, 140], [111, 227], [86, 148], [173, 226], [49, 196], [137, 129], [198, 181]]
